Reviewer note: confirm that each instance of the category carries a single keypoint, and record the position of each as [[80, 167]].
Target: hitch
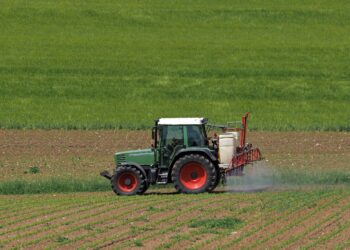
[[106, 174]]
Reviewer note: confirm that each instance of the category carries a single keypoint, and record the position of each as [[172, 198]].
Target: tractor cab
[[171, 135]]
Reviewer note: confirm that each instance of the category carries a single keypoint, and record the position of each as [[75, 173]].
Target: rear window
[[196, 136]]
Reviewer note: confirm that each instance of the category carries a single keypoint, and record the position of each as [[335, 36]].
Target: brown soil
[[340, 239], [82, 154], [63, 153]]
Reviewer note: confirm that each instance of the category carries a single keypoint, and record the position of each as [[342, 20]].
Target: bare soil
[[81, 154]]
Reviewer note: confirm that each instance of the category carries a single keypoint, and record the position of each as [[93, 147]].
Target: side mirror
[[153, 133]]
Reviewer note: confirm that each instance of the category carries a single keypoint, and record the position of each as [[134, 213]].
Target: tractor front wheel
[[194, 174], [128, 180]]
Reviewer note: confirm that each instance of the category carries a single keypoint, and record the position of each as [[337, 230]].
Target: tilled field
[[161, 220], [81, 154]]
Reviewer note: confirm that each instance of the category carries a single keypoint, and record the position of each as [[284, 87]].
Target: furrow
[[275, 199], [34, 220], [81, 216], [273, 219], [99, 242], [101, 220], [188, 217], [331, 230], [46, 224], [295, 219], [296, 239], [40, 212], [190, 234]]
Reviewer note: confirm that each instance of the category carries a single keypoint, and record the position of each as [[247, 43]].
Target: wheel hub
[[127, 182], [194, 175]]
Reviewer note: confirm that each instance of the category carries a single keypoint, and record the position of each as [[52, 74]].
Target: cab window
[[196, 136], [171, 134]]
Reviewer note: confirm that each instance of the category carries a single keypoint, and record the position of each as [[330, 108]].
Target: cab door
[[171, 140]]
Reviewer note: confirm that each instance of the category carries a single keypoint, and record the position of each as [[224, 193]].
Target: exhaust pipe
[[106, 174]]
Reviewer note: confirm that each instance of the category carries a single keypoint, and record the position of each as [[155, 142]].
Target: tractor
[[183, 154]]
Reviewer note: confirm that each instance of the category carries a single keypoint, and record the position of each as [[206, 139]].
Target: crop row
[[236, 210], [66, 217], [271, 219], [121, 223], [270, 213]]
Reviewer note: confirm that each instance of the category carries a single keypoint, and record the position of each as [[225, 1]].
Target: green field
[[113, 64]]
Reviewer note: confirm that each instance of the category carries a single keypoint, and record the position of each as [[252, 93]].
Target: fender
[[136, 165]]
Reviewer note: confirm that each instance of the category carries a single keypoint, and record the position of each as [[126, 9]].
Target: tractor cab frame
[[175, 136]]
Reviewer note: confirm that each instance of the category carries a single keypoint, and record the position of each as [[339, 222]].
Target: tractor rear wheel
[[194, 174], [217, 180], [128, 180]]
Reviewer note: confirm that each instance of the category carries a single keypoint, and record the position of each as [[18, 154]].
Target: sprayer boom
[[245, 153]]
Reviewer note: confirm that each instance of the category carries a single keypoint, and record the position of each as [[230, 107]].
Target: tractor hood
[[141, 156]]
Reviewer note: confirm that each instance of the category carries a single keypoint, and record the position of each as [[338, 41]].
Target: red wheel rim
[[127, 182], [193, 175]]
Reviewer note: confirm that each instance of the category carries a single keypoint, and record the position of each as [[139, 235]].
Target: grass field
[[292, 219], [113, 64]]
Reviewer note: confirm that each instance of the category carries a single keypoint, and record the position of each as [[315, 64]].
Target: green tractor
[[182, 154]]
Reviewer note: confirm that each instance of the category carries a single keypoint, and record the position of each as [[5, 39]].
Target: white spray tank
[[228, 143]]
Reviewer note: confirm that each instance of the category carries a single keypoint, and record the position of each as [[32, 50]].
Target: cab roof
[[182, 121]]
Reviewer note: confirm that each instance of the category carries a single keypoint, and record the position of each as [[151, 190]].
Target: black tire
[[128, 180], [146, 186], [193, 174], [217, 181]]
